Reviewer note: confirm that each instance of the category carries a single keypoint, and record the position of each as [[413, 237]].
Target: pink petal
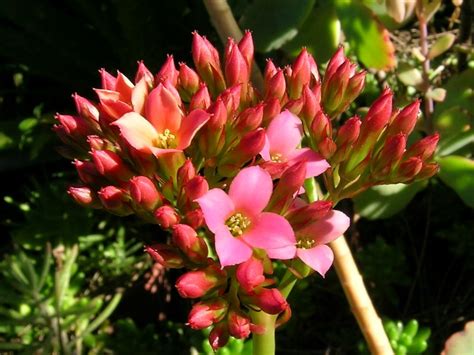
[[327, 229], [316, 164], [272, 233], [251, 190], [284, 133], [231, 250], [216, 207], [319, 258], [137, 131], [265, 153], [139, 95], [162, 110], [190, 125]]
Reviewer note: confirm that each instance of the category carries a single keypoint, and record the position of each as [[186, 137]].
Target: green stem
[[264, 344]]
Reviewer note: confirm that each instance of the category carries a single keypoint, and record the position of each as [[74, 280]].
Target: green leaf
[[385, 201], [442, 44], [320, 33], [461, 342], [366, 35], [409, 75], [451, 144], [275, 22], [458, 173]]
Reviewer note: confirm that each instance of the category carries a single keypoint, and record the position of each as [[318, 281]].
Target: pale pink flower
[[283, 136], [311, 240], [238, 223]]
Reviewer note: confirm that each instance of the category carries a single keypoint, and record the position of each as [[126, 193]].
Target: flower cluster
[[220, 166]]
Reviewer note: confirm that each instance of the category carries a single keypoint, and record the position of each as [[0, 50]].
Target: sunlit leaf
[[409, 75], [275, 22], [366, 35], [442, 44], [458, 173]]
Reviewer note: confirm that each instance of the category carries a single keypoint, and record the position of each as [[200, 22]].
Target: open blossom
[[311, 240], [283, 136], [238, 223]]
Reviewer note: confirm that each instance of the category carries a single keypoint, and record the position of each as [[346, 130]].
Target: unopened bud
[[168, 72], [271, 301], [250, 275], [275, 87], [186, 172], [239, 324], [300, 74], [165, 255], [84, 196], [405, 121], [188, 81], [219, 336], [144, 193], [424, 148], [196, 187], [110, 165], [197, 283], [187, 240], [249, 119], [205, 313], [246, 47], [289, 184], [114, 200], [144, 73], [166, 216], [194, 218], [409, 169], [307, 214], [201, 99]]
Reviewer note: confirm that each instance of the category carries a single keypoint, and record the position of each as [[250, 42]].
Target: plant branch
[[226, 26]]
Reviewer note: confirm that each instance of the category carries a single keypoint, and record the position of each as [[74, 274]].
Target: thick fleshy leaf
[[189, 127], [315, 163], [327, 229], [272, 233], [458, 173], [231, 250], [366, 35], [216, 206], [162, 110], [319, 258], [284, 134], [320, 33], [251, 190], [137, 131], [384, 201], [283, 18]]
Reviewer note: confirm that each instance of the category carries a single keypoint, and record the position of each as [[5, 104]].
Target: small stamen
[[276, 158], [237, 224], [166, 139], [305, 242]]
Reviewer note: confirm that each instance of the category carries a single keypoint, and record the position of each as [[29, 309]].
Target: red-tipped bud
[[321, 127], [379, 115], [194, 218], [110, 165], [427, 171], [84, 196], [165, 255], [300, 75], [144, 73], [327, 147], [205, 313], [196, 187], [239, 324], [188, 80], [354, 88], [187, 240], [87, 172], [310, 105], [86, 109], [250, 274], [270, 70], [348, 132], [409, 169], [336, 60], [219, 336], [197, 283], [75, 127], [206, 60], [166, 217], [247, 48], [424, 148], [307, 214], [390, 154], [107, 80], [236, 68], [97, 143], [168, 72], [275, 87], [201, 99], [231, 98], [295, 106], [271, 108], [249, 119], [289, 184], [144, 193], [405, 121], [114, 200], [186, 172], [271, 300]]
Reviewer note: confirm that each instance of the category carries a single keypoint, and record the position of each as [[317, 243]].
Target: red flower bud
[[168, 72], [424, 148], [87, 172], [204, 314], [166, 216], [249, 119], [188, 80], [86, 110], [250, 274], [97, 143], [195, 188], [409, 169], [271, 108], [321, 127], [239, 324], [206, 60], [144, 193], [310, 105], [327, 147], [300, 74], [270, 300], [302, 216], [194, 218], [75, 127], [270, 71], [295, 106], [348, 132], [405, 120], [201, 99], [84, 196], [219, 336], [236, 68], [275, 87], [144, 73], [390, 154], [197, 283], [186, 172], [187, 240], [246, 47], [108, 80], [110, 165], [378, 115], [114, 200], [427, 171], [231, 98], [165, 255]]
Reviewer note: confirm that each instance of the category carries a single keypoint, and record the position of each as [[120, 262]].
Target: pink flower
[[311, 248], [239, 224], [283, 136]]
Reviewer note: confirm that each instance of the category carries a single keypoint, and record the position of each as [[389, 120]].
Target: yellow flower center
[[305, 242], [237, 224], [276, 158], [166, 139]]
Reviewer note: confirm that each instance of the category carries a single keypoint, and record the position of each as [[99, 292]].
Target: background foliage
[[61, 264]]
